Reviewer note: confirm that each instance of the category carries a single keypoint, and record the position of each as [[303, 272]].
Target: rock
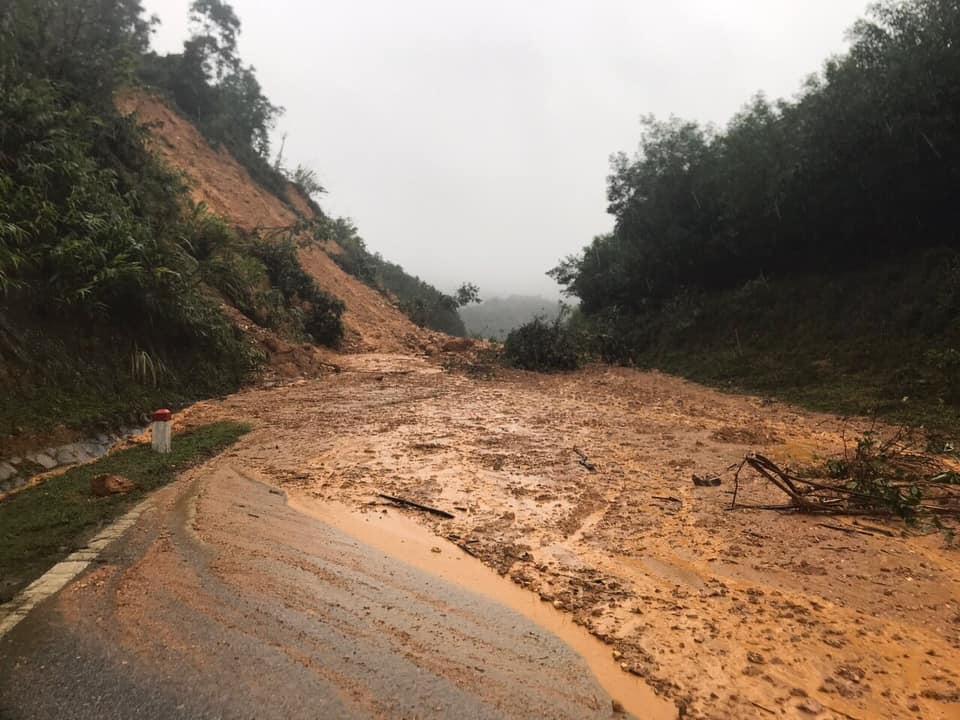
[[104, 485], [6, 471], [810, 706], [755, 657], [95, 449], [618, 707], [43, 460], [435, 549], [711, 481], [71, 454]]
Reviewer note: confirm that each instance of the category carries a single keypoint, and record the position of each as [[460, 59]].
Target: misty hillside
[[496, 317]]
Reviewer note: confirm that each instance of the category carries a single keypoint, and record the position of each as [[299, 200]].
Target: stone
[[7, 471], [103, 485], [43, 460], [71, 454]]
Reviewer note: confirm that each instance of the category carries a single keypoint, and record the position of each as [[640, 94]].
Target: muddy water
[[402, 538]]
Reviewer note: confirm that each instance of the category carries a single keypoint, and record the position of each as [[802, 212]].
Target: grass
[[42, 524], [864, 392]]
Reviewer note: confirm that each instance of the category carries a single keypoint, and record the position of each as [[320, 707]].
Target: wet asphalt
[[223, 602]]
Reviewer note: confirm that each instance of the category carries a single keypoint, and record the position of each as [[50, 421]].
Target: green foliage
[[861, 167], [543, 346], [421, 302], [87, 46], [42, 524], [221, 95], [810, 247], [320, 314], [876, 474]]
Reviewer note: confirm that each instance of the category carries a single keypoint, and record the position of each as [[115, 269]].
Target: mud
[[401, 537], [730, 614]]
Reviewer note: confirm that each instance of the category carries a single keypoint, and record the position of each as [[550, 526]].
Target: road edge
[[57, 577]]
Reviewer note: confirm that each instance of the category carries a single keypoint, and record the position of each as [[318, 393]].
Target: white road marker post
[[161, 431]]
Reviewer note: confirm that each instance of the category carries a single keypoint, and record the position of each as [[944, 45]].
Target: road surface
[[225, 602]]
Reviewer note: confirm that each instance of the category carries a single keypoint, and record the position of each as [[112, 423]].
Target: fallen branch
[[842, 528], [888, 498], [417, 506], [584, 461]]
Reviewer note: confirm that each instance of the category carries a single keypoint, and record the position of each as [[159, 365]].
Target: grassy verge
[[42, 524], [865, 392]]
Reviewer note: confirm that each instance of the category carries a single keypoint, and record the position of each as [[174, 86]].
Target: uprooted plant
[[881, 477]]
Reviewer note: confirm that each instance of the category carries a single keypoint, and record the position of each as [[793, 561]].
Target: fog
[[470, 140]]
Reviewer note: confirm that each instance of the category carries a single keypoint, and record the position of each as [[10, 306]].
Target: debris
[[417, 506], [103, 485], [584, 461], [810, 706], [868, 496], [276, 491], [763, 707], [667, 498], [841, 528], [706, 481]]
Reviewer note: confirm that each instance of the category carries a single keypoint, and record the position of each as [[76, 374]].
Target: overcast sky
[[469, 139]]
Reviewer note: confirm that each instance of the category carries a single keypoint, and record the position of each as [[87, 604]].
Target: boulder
[[104, 485], [7, 471], [43, 460]]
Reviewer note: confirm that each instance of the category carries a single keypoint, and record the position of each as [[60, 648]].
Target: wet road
[[223, 602]]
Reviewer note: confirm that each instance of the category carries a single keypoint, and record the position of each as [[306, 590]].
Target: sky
[[469, 140]]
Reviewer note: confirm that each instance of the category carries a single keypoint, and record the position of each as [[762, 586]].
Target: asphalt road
[[223, 602]]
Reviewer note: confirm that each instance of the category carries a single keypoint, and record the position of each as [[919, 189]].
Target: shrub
[[320, 314], [541, 345]]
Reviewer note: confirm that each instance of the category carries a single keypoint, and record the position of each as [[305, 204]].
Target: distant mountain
[[496, 317]]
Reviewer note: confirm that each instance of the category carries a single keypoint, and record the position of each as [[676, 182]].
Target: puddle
[[404, 539]]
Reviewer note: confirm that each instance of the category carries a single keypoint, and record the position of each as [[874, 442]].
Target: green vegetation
[[808, 250], [111, 279], [42, 524], [213, 88], [421, 302], [545, 346]]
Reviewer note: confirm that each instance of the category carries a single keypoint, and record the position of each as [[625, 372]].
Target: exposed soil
[[731, 614], [371, 321]]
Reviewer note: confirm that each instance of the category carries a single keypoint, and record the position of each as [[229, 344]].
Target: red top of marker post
[[162, 415]]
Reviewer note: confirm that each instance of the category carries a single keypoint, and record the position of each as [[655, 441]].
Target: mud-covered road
[[726, 614], [223, 602]]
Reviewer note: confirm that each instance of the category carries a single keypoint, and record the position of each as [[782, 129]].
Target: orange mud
[[729, 614]]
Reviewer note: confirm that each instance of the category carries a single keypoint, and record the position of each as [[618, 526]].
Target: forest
[[808, 248]]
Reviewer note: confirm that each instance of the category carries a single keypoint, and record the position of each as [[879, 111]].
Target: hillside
[[371, 322]]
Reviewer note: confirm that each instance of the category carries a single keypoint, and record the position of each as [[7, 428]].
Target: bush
[[320, 314], [541, 345]]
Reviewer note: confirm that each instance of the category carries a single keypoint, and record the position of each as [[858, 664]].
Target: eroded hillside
[[371, 321]]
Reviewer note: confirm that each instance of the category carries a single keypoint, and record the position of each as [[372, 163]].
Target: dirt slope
[[371, 322]]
